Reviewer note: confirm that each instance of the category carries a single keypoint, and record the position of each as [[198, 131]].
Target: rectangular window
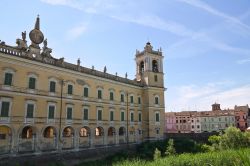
[[70, 89], [131, 99], [131, 116], [69, 113], [111, 96], [122, 97], [52, 86], [122, 116], [139, 100], [32, 83], [86, 92], [30, 110], [99, 116], [85, 114], [157, 117], [2, 136], [99, 94], [8, 79], [5, 109], [155, 77], [139, 117], [156, 100], [51, 112], [111, 116]]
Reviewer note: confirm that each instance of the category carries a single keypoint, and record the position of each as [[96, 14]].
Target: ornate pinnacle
[[37, 25]]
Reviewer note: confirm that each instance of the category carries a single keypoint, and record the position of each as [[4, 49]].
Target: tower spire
[[37, 25]]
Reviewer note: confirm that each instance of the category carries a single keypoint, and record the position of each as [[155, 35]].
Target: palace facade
[[48, 104]]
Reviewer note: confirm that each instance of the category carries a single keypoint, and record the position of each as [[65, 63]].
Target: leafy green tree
[[157, 154], [233, 138], [170, 148]]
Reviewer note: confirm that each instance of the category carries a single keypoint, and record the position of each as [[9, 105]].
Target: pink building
[[170, 122]]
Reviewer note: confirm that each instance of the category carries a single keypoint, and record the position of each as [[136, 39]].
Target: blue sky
[[206, 44]]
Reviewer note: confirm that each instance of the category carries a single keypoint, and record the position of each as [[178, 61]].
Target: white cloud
[[76, 32], [242, 61], [194, 97], [71, 3], [206, 7]]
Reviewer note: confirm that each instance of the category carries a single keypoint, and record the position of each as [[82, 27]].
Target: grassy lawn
[[221, 158]]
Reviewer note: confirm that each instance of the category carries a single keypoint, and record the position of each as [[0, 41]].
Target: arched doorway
[[68, 137], [111, 135], [5, 139], [49, 138], [122, 135], [84, 137], [27, 139], [99, 136]]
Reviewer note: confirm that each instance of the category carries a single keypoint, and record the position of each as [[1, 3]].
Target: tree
[[157, 154], [170, 148]]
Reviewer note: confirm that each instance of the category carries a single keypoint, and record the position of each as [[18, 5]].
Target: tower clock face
[[36, 36]]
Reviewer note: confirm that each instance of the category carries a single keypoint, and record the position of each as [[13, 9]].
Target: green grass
[[221, 158]]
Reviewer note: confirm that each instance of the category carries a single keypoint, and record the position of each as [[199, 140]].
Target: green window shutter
[[122, 116], [156, 100], [32, 83], [70, 89], [157, 117], [139, 118], [122, 97], [99, 94], [85, 114], [86, 92], [30, 110], [8, 79], [51, 112], [99, 115], [139, 100], [111, 116], [5, 109], [111, 96], [131, 99], [69, 113], [52, 86], [132, 116]]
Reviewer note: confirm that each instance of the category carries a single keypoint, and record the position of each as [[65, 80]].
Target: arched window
[[111, 131], [84, 132], [27, 132], [141, 67], [99, 131], [155, 66], [121, 131], [68, 132], [49, 132]]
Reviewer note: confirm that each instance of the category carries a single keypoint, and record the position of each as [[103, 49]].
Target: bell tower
[[149, 66], [149, 71]]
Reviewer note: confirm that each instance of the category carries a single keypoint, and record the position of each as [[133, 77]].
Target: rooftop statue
[[46, 51], [22, 43]]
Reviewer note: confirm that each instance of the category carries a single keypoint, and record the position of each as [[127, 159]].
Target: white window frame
[[12, 71], [157, 96], [124, 97], [51, 120], [85, 107], [29, 120], [131, 95], [112, 91], [69, 121], [157, 123], [55, 80], [72, 84], [86, 86], [102, 95], [32, 75], [6, 99]]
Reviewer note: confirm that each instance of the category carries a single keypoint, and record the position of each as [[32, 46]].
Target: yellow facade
[[35, 119]]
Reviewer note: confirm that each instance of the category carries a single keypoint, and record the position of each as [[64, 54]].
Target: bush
[[157, 154], [170, 148]]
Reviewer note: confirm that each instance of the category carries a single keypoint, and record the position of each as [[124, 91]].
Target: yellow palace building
[[48, 104]]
